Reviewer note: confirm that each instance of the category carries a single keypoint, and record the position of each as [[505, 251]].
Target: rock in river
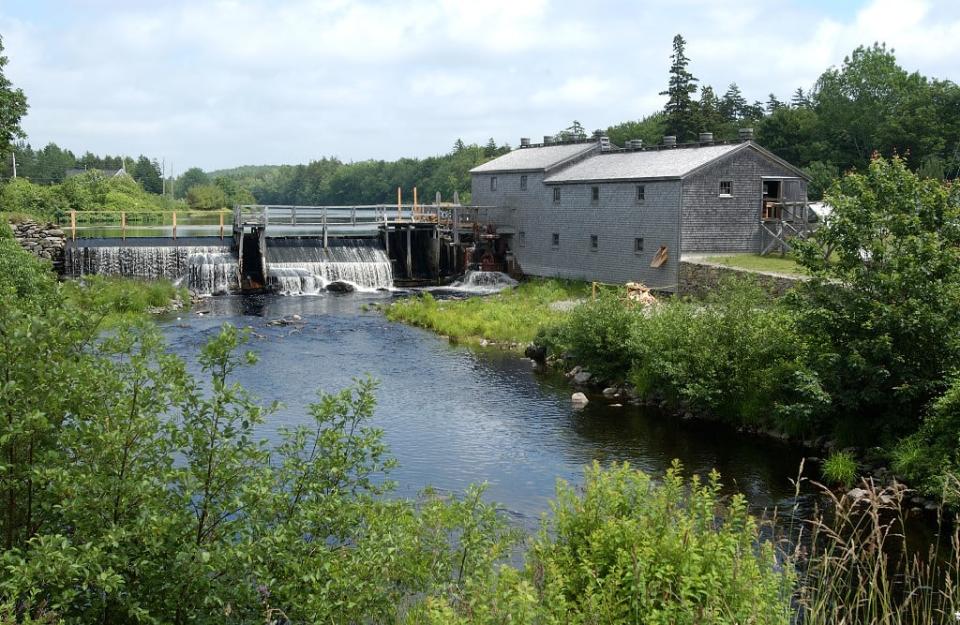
[[579, 400], [339, 286], [582, 377]]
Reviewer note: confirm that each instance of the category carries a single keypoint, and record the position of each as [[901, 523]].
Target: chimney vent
[[524, 142], [670, 140], [547, 139], [746, 134], [706, 137]]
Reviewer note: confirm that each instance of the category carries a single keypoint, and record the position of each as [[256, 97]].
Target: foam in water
[[305, 269], [484, 282], [208, 270]]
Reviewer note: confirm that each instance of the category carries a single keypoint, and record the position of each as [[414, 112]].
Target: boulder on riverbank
[[536, 353]]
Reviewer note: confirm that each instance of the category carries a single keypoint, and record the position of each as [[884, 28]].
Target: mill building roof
[[647, 164], [538, 158]]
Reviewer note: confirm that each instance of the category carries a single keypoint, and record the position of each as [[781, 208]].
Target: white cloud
[[225, 82]]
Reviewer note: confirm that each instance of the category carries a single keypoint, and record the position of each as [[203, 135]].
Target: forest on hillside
[[869, 104]]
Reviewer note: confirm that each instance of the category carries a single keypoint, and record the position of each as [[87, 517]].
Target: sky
[[222, 83]]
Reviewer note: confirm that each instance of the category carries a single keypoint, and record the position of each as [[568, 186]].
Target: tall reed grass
[[856, 565]]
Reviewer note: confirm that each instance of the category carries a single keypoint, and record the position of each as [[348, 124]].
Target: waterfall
[[484, 282], [208, 270], [298, 266]]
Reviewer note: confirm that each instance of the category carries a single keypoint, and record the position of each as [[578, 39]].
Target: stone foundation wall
[[698, 278], [45, 241]]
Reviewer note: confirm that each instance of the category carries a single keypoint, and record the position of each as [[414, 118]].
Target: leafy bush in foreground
[[626, 549]]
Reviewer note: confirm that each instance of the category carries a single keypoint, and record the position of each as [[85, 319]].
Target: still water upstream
[[454, 416]]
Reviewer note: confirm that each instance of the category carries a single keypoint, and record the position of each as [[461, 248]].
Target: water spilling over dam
[[204, 268], [304, 266]]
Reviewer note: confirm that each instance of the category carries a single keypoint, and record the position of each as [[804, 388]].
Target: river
[[454, 415]]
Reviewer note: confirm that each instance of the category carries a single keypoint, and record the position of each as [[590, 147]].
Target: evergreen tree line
[[331, 181]]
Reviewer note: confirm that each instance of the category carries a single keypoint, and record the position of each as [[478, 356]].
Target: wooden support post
[[386, 236], [73, 225], [221, 225], [413, 213], [174, 224], [593, 290], [353, 215], [399, 200], [455, 219], [293, 216], [324, 227], [123, 226], [410, 251]]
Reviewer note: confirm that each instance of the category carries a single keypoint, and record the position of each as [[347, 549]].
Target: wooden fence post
[[221, 225], [73, 225], [413, 212], [399, 200], [174, 224], [123, 226]]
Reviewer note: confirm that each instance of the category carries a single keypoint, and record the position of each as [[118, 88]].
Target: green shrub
[[628, 549], [597, 335], [840, 468], [930, 458]]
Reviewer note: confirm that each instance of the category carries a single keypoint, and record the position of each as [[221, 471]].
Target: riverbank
[[735, 357], [509, 319]]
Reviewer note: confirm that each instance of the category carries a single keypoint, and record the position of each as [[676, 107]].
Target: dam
[[290, 250]]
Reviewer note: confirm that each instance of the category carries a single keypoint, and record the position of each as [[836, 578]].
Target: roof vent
[[670, 140], [547, 139], [524, 142], [706, 137], [746, 134], [604, 142]]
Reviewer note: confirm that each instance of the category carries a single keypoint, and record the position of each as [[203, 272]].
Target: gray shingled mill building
[[593, 211]]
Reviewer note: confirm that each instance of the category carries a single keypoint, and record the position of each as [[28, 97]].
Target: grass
[[125, 299], [511, 317], [840, 468], [755, 262]]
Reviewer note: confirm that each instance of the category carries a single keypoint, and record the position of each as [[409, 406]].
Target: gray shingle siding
[[617, 219], [686, 215], [727, 224]]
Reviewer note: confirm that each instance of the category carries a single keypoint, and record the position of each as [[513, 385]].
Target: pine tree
[[733, 106], [773, 103], [490, 150], [458, 146], [679, 107], [800, 99], [708, 118]]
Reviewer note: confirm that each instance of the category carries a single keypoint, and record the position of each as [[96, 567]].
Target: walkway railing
[[118, 223]]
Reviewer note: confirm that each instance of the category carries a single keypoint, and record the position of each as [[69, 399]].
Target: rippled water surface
[[453, 415]]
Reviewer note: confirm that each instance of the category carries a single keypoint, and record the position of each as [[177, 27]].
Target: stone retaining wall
[[45, 241], [698, 278]]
